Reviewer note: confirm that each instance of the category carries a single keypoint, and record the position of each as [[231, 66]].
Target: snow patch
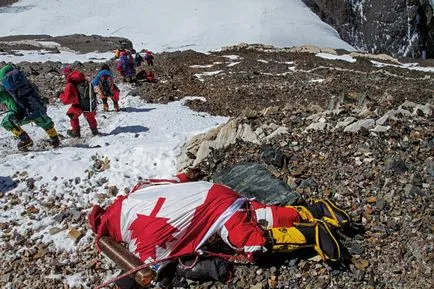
[[201, 76], [347, 58], [232, 57], [45, 55], [411, 66], [233, 63], [202, 66]]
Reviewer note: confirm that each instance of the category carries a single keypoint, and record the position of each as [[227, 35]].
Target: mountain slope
[[173, 25], [396, 27]]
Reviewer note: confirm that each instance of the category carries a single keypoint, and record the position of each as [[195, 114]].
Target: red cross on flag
[[173, 219]]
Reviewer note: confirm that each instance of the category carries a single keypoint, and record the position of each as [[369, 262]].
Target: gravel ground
[[383, 179]]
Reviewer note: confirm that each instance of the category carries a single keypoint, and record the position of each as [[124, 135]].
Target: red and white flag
[[159, 222]]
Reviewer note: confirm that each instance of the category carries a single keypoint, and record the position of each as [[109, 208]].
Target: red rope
[[137, 186], [220, 255], [134, 270], [143, 266], [191, 266]]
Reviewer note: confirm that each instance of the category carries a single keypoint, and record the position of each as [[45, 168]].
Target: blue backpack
[[16, 83], [27, 96]]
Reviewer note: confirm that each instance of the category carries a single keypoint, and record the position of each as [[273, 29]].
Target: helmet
[[66, 70]]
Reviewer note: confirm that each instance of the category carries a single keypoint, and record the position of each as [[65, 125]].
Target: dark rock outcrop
[[77, 42], [7, 2], [398, 27]]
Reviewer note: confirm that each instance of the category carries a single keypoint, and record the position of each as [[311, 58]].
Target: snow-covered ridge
[[175, 25]]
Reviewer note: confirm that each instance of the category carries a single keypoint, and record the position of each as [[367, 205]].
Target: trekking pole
[[90, 96]]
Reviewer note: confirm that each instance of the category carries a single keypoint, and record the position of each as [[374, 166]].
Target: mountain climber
[[164, 219], [118, 53], [80, 94], [147, 76], [149, 58], [104, 80], [126, 67], [138, 59], [25, 104]]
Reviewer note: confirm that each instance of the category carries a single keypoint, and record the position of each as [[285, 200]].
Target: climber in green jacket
[[25, 105]]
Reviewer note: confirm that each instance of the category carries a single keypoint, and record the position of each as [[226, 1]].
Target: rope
[[134, 270], [191, 266], [144, 266], [136, 187], [219, 255]]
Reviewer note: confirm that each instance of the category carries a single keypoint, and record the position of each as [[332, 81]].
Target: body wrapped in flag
[[164, 219]]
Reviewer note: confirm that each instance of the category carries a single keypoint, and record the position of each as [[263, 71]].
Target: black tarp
[[253, 180]]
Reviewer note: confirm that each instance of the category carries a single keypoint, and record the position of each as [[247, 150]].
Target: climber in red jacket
[[79, 93]]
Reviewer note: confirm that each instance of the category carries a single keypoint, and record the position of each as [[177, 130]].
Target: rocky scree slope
[[380, 170], [364, 139]]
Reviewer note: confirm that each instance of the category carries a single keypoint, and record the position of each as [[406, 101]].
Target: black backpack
[[106, 85], [88, 99]]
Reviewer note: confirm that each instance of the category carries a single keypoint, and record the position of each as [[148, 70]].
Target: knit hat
[[66, 70]]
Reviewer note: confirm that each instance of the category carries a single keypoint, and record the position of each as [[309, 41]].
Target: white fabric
[[181, 200], [265, 214], [222, 220]]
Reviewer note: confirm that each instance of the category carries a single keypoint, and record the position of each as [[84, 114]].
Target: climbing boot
[[305, 214], [55, 141], [323, 240], [326, 210], [54, 138], [306, 235], [25, 141], [330, 213], [94, 131], [73, 133], [116, 106], [17, 131], [286, 239]]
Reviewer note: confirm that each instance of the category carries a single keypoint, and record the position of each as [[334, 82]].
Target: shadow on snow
[[15, 9], [134, 109], [6, 184], [129, 129]]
